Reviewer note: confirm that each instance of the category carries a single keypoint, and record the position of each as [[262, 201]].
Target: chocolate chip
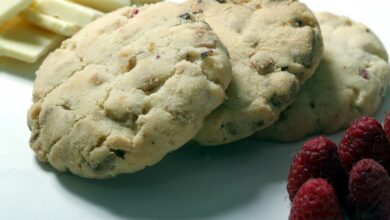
[[186, 16], [284, 68], [221, 1]]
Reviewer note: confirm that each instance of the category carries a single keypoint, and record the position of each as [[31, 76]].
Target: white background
[[244, 180]]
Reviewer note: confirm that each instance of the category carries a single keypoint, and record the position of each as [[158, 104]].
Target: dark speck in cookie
[[134, 12], [298, 22], [205, 54], [275, 102], [364, 74], [260, 123], [120, 153], [186, 16]]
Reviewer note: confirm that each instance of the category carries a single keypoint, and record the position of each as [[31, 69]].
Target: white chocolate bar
[[104, 5], [10, 8], [23, 41], [50, 23], [67, 11]]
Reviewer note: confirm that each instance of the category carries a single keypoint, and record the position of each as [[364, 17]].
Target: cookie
[[350, 82], [274, 47], [126, 90]]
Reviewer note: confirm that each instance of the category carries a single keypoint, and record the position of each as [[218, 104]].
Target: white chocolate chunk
[[23, 41], [50, 23], [10, 8], [67, 11], [105, 5]]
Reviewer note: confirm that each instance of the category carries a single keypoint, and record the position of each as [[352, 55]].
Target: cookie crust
[[126, 90]]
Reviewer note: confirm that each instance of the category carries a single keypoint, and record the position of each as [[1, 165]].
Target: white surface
[[244, 180]]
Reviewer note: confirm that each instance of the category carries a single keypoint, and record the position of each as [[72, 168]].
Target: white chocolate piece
[[50, 23], [67, 11], [23, 41], [10, 8], [105, 5]]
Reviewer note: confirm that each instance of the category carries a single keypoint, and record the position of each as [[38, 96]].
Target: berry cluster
[[326, 181]]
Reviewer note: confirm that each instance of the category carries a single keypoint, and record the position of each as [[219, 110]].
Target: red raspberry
[[369, 191], [386, 126], [315, 200], [318, 158], [365, 138]]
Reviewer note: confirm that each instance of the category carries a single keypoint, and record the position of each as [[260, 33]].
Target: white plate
[[244, 180]]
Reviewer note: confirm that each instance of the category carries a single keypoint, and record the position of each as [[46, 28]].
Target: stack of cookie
[[141, 82]]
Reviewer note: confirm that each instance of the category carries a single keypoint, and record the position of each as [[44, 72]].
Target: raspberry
[[315, 200], [386, 126], [369, 191], [365, 138], [318, 158]]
